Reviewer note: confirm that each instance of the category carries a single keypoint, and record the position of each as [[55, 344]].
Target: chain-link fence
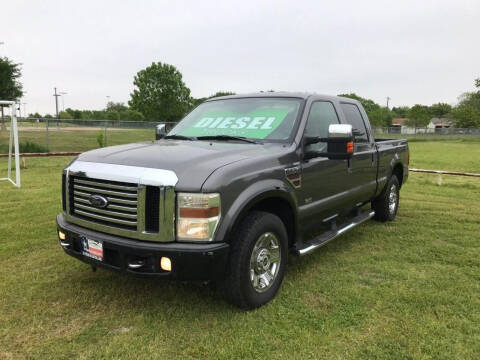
[[52, 135], [426, 133]]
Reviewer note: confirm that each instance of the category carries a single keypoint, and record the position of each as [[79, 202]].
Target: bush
[[101, 139], [26, 147], [31, 147]]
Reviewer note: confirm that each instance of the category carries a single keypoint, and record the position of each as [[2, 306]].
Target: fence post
[[48, 142], [106, 124]]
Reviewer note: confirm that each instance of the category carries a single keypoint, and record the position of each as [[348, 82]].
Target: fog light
[[61, 235], [166, 264]]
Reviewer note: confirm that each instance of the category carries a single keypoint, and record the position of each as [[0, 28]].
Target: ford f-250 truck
[[236, 186]]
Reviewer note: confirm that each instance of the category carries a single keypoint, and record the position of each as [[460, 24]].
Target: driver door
[[323, 181]]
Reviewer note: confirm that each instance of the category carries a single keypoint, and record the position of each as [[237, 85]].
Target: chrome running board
[[319, 241]]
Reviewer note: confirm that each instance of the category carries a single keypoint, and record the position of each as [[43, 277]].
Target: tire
[[386, 205], [260, 240]]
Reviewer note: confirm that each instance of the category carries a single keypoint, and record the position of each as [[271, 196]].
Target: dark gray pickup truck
[[228, 193]]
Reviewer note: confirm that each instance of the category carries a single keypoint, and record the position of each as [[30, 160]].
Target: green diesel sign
[[257, 124]]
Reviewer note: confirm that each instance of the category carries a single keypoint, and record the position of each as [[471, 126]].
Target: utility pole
[[388, 100]]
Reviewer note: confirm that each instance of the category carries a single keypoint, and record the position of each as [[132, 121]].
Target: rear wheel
[[386, 205], [258, 260]]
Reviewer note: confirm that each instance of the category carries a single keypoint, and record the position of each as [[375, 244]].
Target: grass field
[[76, 140], [403, 290]]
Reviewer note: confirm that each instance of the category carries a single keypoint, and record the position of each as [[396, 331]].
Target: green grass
[[446, 155], [402, 290], [77, 140]]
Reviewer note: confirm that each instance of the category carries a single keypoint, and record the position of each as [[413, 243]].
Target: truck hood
[[191, 161]]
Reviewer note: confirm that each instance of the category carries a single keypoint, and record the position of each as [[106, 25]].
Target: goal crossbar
[[13, 149]]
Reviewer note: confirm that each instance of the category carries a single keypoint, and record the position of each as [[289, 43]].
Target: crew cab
[[237, 186]]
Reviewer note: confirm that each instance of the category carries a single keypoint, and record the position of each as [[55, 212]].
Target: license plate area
[[92, 248]]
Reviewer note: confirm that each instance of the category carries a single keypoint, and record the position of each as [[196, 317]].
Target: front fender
[[249, 197]]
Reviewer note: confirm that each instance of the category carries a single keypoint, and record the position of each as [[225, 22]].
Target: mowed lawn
[[409, 289], [76, 140]]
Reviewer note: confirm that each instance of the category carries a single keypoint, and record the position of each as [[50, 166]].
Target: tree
[[64, 115], [368, 104], [35, 115], [221, 93], [112, 115], [400, 111], [470, 99], [439, 109], [160, 93], [381, 117], [198, 101], [113, 106], [75, 114], [418, 116], [132, 115], [466, 117], [10, 86]]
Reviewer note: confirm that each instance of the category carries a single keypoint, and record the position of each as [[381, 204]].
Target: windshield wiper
[[227, 137], [180, 137]]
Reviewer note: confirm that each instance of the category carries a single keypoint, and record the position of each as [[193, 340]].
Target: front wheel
[[258, 260], [386, 205]]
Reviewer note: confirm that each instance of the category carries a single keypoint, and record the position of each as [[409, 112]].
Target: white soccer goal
[[13, 143]]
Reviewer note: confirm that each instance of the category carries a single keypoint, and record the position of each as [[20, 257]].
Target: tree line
[[160, 94]]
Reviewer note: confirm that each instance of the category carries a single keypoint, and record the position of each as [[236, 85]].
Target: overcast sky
[[413, 51]]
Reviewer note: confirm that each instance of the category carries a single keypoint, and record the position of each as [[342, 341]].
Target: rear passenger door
[[362, 166]]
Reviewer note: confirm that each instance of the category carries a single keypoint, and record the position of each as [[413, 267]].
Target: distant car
[[226, 195]]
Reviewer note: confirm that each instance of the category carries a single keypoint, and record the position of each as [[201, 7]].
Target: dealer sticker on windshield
[[92, 248], [257, 124]]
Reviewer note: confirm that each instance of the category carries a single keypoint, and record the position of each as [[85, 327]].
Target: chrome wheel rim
[[392, 199], [265, 262]]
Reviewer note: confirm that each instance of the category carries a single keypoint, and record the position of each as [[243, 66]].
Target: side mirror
[[160, 131], [339, 141]]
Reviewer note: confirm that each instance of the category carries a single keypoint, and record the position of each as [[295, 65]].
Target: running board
[[330, 235]]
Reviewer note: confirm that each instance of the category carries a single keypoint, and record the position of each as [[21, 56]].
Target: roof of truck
[[286, 94]]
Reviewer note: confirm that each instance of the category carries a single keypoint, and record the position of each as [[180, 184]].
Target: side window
[[354, 117], [322, 114]]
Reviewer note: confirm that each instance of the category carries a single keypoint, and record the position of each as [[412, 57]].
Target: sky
[[411, 51]]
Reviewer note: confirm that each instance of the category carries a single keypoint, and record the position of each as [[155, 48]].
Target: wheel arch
[[398, 171], [278, 200]]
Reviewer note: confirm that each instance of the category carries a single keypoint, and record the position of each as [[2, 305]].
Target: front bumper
[[189, 261]]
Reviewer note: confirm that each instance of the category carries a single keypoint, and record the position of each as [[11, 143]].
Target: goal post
[[13, 148]]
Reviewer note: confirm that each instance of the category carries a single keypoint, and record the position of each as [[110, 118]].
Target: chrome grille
[[141, 201], [121, 210]]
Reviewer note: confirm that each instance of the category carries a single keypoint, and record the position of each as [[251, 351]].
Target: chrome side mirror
[[160, 131], [337, 131], [340, 141]]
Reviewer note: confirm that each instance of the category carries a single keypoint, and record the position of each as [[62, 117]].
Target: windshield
[[253, 118]]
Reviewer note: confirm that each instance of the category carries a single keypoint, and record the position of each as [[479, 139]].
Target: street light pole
[[63, 93], [56, 104]]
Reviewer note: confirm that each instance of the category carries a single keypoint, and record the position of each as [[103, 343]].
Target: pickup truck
[[234, 188]]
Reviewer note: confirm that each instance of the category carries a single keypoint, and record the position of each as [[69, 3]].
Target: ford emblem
[[98, 201]]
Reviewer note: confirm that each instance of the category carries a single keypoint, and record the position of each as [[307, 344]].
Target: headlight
[[197, 216]]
